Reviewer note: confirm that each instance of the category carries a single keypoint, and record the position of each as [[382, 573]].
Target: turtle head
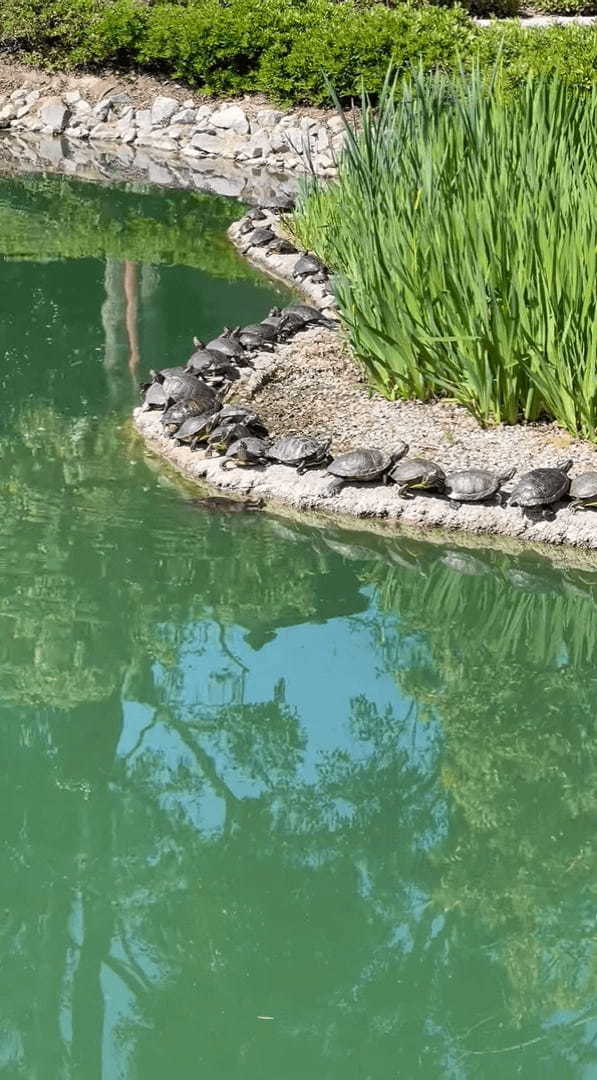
[[274, 313], [198, 344], [401, 450], [506, 475], [565, 465]]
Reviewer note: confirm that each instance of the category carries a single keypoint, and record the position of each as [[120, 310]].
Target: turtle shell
[[540, 487], [179, 387], [471, 485], [362, 464], [261, 236], [584, 487], [226, 344], [293, 449], [247, 449], [418, 472], [307, 264], [154, 396], [193, 426]]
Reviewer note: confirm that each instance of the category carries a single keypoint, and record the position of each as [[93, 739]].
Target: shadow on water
[[254, 768]]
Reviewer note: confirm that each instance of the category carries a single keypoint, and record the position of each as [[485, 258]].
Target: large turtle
[[261, 236], [180, 387], [227, 344], [298, 316], [417, 474], [258, 336], [362, 466], [282, 246], [300, 452], [239, 414], [307, 266], [154, 396], [475, 485], [583, 491], [176, 414], [537, 490], [194, 430], [247, 451], [165, 373], [224, 435]]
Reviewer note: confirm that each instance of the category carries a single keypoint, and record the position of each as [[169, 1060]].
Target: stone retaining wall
[[282, 142]]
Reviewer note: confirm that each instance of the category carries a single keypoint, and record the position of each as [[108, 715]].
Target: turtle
[[261, 236], [176, 414], [256, 213], [258, 336], [194, 430], [178, 387], [221, 504], [464, 563], [308, 265], [298, 316], [227, 344], [239, 414], [274, 318], [583, 491], [362, 466], [475, 485], [417, 474], [166, 373], [246, 451], [154, 396], [224, 435], [282, 246], [300, 452], [538, 489]]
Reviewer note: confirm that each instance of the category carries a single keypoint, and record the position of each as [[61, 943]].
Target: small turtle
[[227, 344], [154, 396], [194, 430], [239, 414], [258, 336], [224, 435], [306, 266], [300, 452], [274, 318], [538, 489], [298, 316], [363, 466], [475, 485], [247, 451], [261, 236], [583, 491], [282, 246], [221, 504], [417, 474], [166, 373]]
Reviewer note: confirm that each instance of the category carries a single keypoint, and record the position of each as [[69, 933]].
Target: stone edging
[[289, 142], [309, 491]]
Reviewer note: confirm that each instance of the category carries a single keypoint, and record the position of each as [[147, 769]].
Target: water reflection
[[257, 769]]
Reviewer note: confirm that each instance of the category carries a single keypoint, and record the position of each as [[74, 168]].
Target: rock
[[185, 116], [259, 146], [81, 107], [143, 119], [7, 113], [18, 95], [323, 141], [129, 134], [72, 97], [23, 111], [279, 142], [268, 118], [159, 174], [162, 110], [188, 104], [222, 145], [231, 118], [177, 132], [54, 114], [32, 97], [203, 117]]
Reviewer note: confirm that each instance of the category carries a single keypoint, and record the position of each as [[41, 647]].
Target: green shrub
[[463, 236]]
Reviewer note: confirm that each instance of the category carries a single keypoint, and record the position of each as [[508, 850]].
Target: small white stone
[[81, 107], [231, 118], [143, 119], [7, 113], [32, 97], [268, 118], [185, 116], [188, 104], [18, 95], [162, 110], [72, 97]]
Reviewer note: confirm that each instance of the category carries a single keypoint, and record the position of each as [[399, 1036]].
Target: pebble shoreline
[[312, 385]]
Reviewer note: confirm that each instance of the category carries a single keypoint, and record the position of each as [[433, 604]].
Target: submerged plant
[[462, 233]]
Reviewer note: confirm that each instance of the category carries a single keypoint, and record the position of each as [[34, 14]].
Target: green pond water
[[278, 801]]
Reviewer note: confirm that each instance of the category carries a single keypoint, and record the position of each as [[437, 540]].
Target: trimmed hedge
[[282, 47]]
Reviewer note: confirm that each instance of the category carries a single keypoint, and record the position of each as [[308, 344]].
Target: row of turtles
[[307, 265]]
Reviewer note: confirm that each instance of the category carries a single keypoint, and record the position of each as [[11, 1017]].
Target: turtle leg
[[456, 504], [404, 492], [335, 486], [548, 514]]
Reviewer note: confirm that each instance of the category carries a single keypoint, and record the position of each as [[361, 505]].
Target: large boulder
[[163, 110], [54, 114], [231, 118]]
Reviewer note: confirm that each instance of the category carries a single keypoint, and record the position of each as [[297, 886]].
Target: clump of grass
[[463, 236]]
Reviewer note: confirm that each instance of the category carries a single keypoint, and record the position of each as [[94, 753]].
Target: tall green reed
[[462, 231]]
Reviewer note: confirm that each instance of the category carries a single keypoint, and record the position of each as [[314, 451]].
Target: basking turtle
[[417, 474], [154, 396], [261, 236], [475, 485], [300, 452], [194, 430], [227, 344], [166, 373], [538, 489], [308, 265], [176, 414], [297, 316], [362, 466], [179, 387], [258, 336], [256, 213], [239, 414], [583, 491], [246, 451], [274, 318], [224, 435], [282, 246]]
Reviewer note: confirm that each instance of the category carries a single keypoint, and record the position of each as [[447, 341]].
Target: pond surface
[[277, 802]]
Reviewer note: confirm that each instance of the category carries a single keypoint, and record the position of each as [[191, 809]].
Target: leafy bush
[[283, 47], [463, 236]]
